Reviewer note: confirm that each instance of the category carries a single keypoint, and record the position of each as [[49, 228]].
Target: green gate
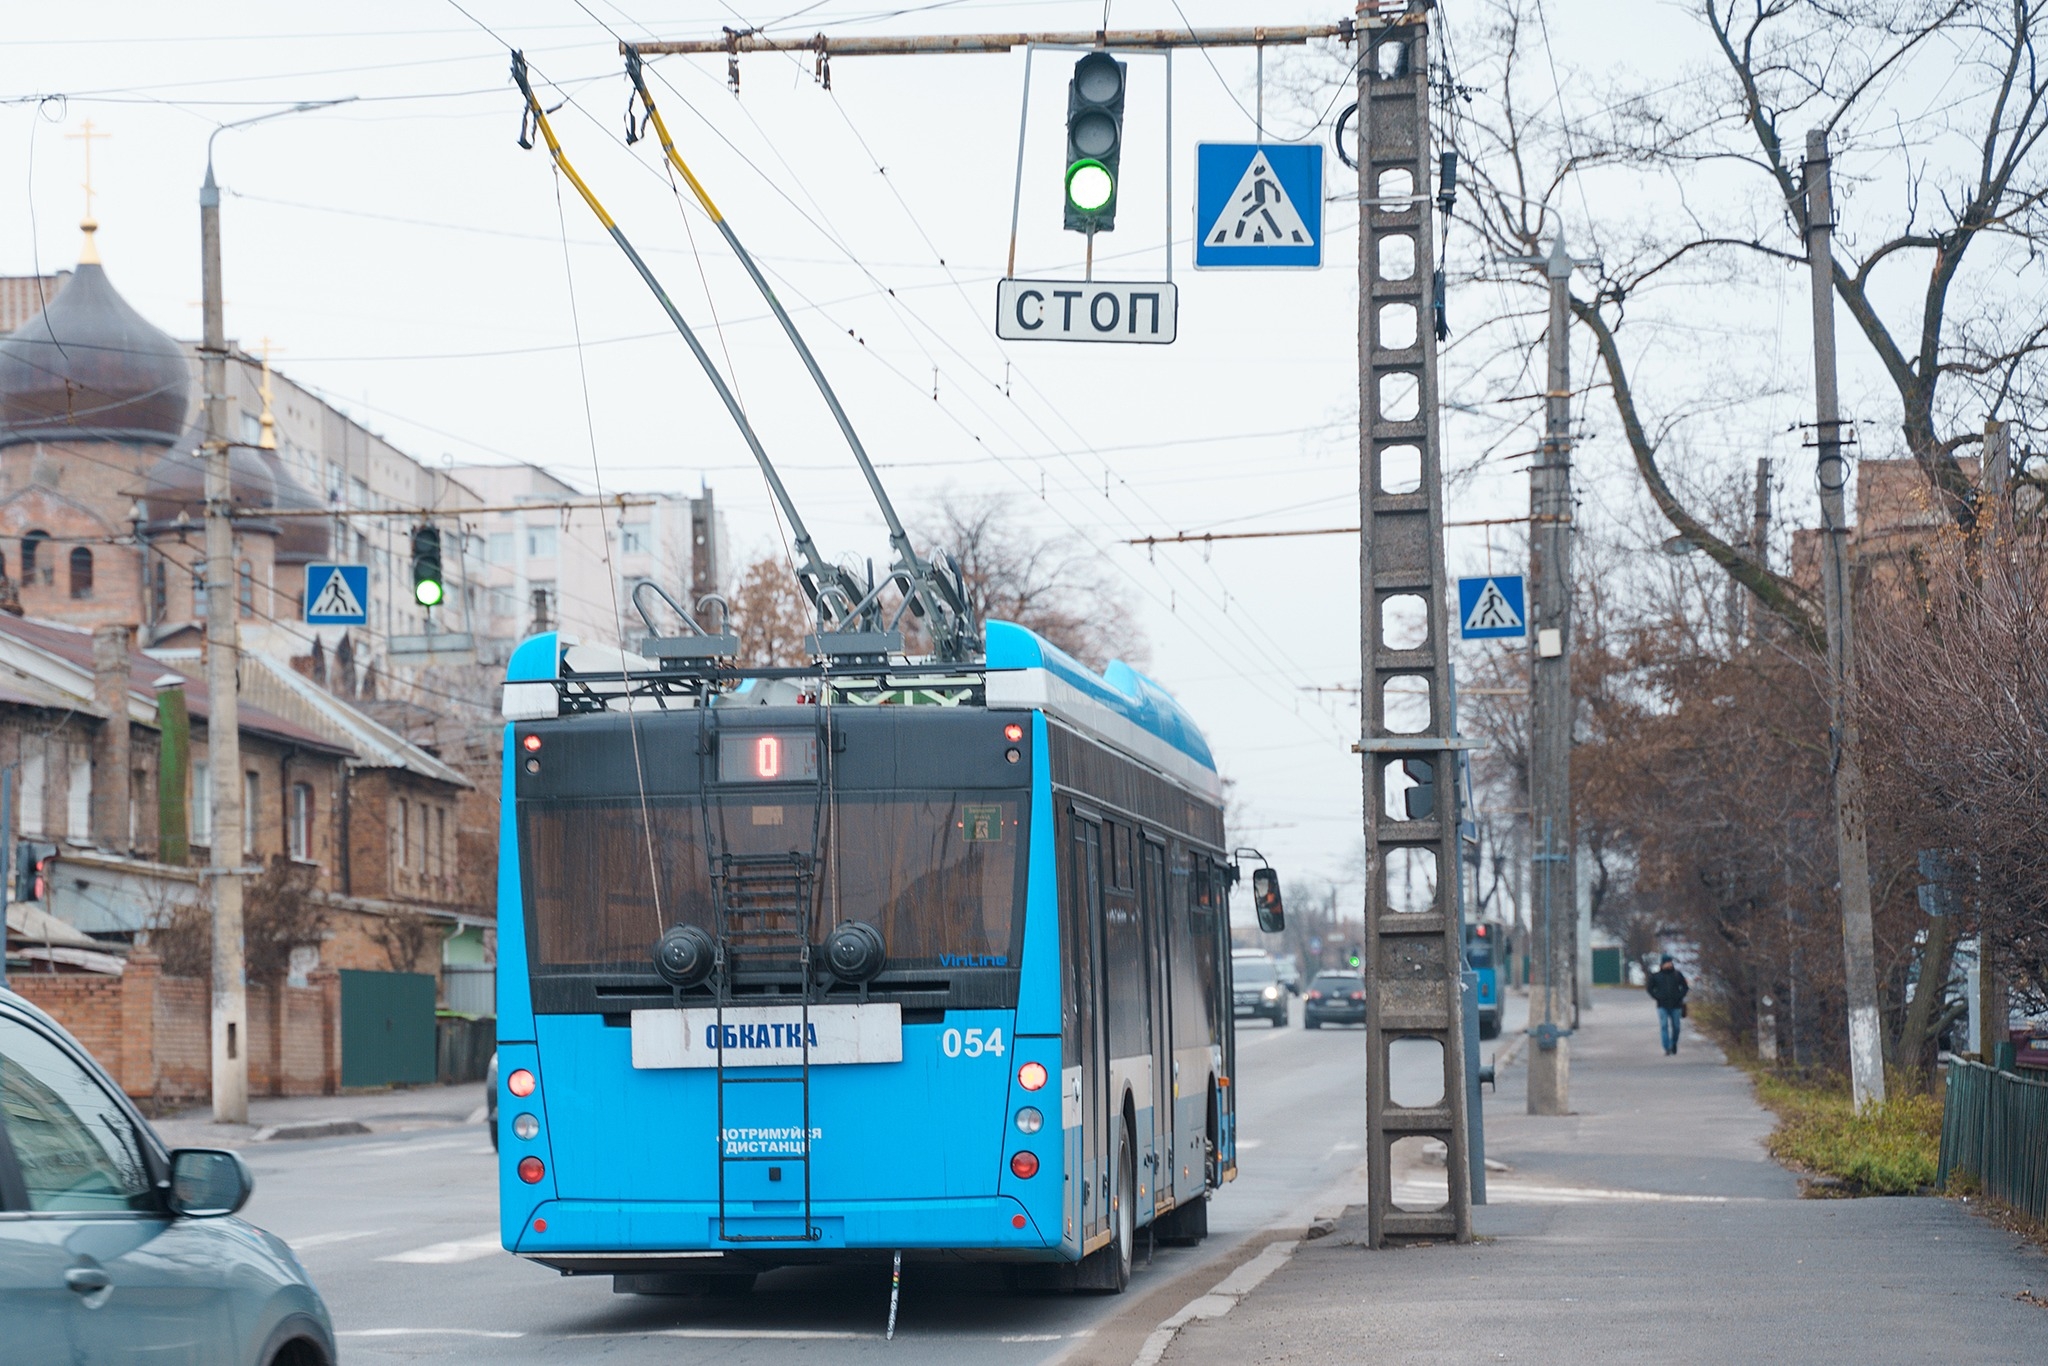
[[387, 1028]]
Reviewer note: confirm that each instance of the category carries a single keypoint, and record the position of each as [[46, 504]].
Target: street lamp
[[223, 649]]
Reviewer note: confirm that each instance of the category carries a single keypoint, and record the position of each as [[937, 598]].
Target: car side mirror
[[1266, 899], [207, 1183]]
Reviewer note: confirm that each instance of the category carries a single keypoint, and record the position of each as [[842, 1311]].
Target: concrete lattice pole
[[1859, 950], [223, 733]]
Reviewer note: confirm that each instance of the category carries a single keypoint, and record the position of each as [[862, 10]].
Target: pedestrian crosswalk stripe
[[459, 1250]]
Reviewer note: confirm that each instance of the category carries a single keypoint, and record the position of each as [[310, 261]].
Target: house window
[[543, 606], [201, 815], [159, 591], [404, 832], [33, 775], [81, 573], [252, 801], [635, 538], [302, 821], [32, 558], [440, 841], [501, 547], [78, 812], [540, 541], [245, 589]]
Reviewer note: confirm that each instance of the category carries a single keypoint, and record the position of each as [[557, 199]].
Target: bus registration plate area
[[768, 1036]]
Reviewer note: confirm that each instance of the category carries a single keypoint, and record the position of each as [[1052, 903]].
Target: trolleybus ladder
[[764, 918]]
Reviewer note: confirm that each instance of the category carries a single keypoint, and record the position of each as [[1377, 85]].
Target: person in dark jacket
[[1668, 988]]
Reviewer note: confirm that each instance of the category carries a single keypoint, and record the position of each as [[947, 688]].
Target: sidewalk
[[1647, 1227], [366, 1112]]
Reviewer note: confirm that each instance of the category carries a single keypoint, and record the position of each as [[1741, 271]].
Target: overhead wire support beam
[[1204, 537], [735, 43]]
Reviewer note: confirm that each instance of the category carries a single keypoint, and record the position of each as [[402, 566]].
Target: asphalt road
[[400, 1233]]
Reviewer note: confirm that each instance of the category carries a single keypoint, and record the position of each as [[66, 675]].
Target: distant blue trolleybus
[[824, 965]]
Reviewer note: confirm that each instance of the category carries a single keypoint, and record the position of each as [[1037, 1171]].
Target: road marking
[[459, 1250], [1033, 1337], [726, 1334], [1245, 1145], [1336, 1148], [478, 1115], [1221, 1299], [328, 1239], [382, 1149], [411, 1332]]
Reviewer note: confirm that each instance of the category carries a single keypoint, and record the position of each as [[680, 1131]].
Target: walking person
[[1668, 988]]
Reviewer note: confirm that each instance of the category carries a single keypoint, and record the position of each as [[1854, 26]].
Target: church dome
[[176, 483], [90, 367]]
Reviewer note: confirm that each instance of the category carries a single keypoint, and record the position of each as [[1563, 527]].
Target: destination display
[[775, 756], [768, 1036]]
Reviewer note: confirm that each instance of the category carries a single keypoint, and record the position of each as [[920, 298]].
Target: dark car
[[1334, 998], [491, 1100], [111, 1248], [1256, 990]]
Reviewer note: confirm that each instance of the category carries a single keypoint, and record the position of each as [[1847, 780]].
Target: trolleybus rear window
[[938, 873]]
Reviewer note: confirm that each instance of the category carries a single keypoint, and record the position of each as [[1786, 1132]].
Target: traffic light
[[1421, 798], [427, 586], [32, 870], [1353, 959], [1095, 136]]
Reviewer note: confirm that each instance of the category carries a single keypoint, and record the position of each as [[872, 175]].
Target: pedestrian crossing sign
[[1493, 607], [337, 594], [1258, 205]]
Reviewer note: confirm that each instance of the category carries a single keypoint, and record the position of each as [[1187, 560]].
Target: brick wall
[[153, 1033]]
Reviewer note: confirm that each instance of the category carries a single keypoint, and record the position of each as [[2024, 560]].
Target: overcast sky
[[404, 256]]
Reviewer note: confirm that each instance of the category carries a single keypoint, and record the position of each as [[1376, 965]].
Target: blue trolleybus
[[802, 966]]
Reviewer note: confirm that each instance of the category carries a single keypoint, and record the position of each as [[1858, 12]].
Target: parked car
[[1256, 989], [113, 1248], [1334, 998], [1289, 969]]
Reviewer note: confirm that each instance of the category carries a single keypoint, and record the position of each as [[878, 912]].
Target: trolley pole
[[223, 724], [1414, 952], [1859, 950]]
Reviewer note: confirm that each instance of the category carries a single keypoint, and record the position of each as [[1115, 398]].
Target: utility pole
[[223, 666], [1414, 950], [1859, 952], [223, 725], [1554, 971]]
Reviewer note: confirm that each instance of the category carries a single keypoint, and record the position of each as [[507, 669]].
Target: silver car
[[114, 1250]]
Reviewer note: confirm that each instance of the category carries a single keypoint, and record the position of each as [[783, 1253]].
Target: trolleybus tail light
[[532, 743], [1031, 1076], [520, 1083], [531, 1170], [1030, 1120], [1024, 1165], [1013, 732], [525, 1127]]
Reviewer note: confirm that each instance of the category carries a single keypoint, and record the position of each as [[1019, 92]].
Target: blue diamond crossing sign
[[337, 595], [1493, 607], [1258, 205]]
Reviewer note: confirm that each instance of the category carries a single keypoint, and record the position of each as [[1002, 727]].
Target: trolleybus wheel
[[1126, 1211]]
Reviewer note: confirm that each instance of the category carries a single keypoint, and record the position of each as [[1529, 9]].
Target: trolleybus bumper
[[595, 1235]]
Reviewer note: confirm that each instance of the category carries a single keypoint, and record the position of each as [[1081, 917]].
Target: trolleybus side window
[[1124, 958]]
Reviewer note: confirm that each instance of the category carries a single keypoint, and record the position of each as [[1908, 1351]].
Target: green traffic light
[[1090, 186], [428, 592]]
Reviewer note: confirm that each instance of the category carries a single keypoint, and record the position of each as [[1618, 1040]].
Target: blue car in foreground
[[113, 1249]]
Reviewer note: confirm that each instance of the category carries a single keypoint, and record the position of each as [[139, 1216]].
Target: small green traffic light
[[427, 586], [1090, 185]]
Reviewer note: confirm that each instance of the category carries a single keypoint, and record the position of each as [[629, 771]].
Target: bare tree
[[770, 614], [1055, 585]]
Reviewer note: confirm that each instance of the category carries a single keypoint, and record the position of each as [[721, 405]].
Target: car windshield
[[1252, 970], [1339, 984]]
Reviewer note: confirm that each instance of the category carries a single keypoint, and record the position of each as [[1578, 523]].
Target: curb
[[316, 1128], [1220, 1300]]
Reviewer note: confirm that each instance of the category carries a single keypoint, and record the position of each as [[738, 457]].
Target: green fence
[[387, 1028], [1994, 1126]]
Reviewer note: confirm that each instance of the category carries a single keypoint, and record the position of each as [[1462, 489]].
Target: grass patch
[[1887, 1149]]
